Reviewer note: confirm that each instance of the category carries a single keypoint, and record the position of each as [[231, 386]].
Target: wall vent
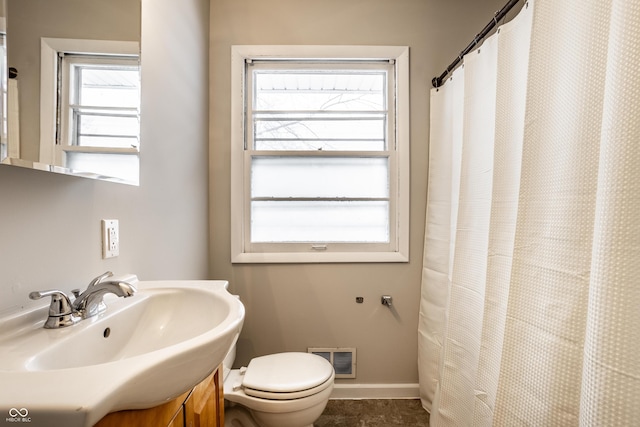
[[342, 359]]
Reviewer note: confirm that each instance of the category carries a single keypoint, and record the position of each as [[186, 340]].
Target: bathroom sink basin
[[141, 352]]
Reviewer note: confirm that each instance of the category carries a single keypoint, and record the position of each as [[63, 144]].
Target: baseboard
[[375, 391]]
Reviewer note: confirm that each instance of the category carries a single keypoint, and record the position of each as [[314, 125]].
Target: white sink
[[141, 352]]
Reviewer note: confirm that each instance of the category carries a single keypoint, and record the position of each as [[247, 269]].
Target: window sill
[[317, 258]]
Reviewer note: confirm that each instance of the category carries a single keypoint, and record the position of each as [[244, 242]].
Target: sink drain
[[106, 332]]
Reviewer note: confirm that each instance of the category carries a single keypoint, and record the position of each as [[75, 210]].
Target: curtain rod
[[437, 81]]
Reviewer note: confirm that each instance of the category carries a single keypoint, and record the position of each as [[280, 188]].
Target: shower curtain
[[530, 307]]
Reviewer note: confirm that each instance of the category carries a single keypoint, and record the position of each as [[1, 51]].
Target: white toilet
[[278, 390]]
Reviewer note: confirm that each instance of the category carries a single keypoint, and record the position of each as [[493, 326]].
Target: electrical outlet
[[110, 238]]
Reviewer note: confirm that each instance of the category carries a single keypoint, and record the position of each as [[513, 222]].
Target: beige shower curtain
[[530, 309]]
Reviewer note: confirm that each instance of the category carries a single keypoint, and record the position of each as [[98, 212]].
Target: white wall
[[50, 224], [292, 307]]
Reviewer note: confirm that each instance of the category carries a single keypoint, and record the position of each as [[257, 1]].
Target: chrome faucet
[[62, 312], [99, 279], [89, 303]]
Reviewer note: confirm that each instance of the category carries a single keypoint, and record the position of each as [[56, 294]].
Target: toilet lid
[[286, 373]]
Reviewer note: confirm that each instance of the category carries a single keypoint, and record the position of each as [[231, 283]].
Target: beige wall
[[292, 307], [50, 224]]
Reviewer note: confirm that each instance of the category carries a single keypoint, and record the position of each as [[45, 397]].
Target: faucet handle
[[100, 278], [60, 309], [60, 302]]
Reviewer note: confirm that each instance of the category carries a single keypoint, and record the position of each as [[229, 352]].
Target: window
[[90, 106], [320, 154], [98, 113]]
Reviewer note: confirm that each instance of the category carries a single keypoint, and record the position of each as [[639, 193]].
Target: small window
[[320, 163], [98, 123]]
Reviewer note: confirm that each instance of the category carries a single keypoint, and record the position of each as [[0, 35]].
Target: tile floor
[[373, 413]]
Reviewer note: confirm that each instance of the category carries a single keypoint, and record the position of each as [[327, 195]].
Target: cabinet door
[[166, 414], [178, 420], [202, 408]]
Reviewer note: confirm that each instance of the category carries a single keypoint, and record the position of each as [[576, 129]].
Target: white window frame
[[50, 48], [398, 250], [69, 89]]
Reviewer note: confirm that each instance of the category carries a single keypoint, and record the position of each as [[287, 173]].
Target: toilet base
[[239, 416]]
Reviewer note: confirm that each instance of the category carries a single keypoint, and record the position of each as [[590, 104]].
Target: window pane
[[124, 166], [345, 131], [319, 222], [335, 90], [319, 110], [107, 124], [320, 144], [327, 177], [121, 129], [109, 87]]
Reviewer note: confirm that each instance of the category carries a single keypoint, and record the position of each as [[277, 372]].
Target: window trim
[[49, 49], [239, 55]]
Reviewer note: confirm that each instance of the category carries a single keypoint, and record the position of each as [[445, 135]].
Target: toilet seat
[[260, 394], [286, 376]]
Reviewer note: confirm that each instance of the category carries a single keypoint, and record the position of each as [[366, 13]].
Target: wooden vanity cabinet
[[203, 406]]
